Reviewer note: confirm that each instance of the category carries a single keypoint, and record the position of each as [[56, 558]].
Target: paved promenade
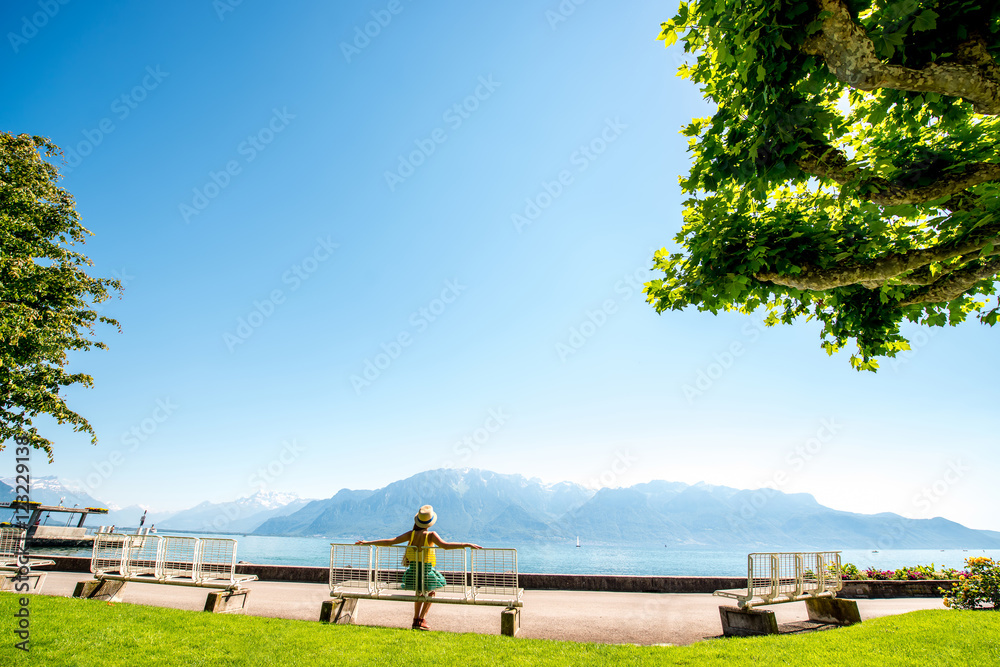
[[616, 618]]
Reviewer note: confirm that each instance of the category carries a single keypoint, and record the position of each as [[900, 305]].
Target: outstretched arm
[[436, 539], [387, 543]]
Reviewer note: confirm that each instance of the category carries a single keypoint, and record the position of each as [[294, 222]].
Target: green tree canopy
[[46, 296], [851, 171]]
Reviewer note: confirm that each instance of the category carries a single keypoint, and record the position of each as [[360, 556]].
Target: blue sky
[[351, 257]]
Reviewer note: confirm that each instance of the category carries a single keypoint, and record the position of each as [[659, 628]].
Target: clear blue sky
[[233, 168]]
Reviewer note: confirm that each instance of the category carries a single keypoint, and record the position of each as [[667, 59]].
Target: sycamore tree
[[851, 170], [46, 295]]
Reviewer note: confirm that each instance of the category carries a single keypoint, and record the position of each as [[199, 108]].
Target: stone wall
[[582, 582], [859, 590]]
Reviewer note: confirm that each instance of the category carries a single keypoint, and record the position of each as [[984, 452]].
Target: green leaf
[[925, 20], [668, 34], [756, 206]]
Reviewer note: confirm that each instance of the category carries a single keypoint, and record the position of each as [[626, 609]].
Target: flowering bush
[[849, 571], [925, 572], [979, 587], [872, 573]]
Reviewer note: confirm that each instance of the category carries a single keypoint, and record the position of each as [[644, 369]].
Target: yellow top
[[411, 551]]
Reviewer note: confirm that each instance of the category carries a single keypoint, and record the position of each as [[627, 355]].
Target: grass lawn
[[69, 632]]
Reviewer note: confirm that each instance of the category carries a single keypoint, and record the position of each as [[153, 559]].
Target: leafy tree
[[46, 296], [851, 170]]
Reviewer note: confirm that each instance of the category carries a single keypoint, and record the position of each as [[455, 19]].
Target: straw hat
[[425, 517]]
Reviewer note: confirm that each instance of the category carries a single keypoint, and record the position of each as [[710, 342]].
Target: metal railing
[[13, 555], [778, 577], [208, 562], [455, 576]]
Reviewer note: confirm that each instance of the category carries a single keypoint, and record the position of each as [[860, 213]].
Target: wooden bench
[[16, 565], [203, 562], [777, 577], [472, 577]]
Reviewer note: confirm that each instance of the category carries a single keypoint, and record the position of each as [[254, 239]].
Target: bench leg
[[833, 610], [510, 621], [227, 602], [110, 591], [738, 622], [16, 583], [342, 611]]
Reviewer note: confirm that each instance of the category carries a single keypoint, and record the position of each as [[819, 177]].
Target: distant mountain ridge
[[239, 516], [242, 515], [479, 505], [493, 508], [50, 490]]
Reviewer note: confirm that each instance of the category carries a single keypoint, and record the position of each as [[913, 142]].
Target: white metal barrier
[[467, 576], [16, 564], [207, 562], [12, 551], [773, 578]]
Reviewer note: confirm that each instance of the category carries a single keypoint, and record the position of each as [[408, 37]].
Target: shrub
[[980, 587], [849, 571]]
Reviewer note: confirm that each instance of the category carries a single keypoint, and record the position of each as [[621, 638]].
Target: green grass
[[69, 632]]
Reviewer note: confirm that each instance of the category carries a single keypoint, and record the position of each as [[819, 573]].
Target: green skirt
[[422, 578]]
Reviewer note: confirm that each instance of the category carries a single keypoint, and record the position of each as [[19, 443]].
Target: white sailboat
[[577, 541]]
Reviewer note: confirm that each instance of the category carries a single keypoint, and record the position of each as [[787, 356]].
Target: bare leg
[[426, 606]]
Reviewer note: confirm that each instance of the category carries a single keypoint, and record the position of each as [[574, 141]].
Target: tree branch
[[955, 284], [829, 162], [875, 273], [850, 55]]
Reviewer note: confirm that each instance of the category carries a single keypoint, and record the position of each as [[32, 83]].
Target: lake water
[[566, 558]]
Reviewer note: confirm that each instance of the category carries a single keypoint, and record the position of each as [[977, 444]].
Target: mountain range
[[478, 505], [239, 516], [492, 508]]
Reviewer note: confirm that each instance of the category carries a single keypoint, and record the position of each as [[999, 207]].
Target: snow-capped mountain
[[479, 505], [242, 515]]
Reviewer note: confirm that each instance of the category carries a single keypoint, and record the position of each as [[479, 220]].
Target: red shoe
[[422, 625]]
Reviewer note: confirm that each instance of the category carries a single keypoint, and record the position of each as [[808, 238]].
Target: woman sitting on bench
[[421, 576]]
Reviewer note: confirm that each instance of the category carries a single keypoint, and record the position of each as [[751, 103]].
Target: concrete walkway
[[613, 618]]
